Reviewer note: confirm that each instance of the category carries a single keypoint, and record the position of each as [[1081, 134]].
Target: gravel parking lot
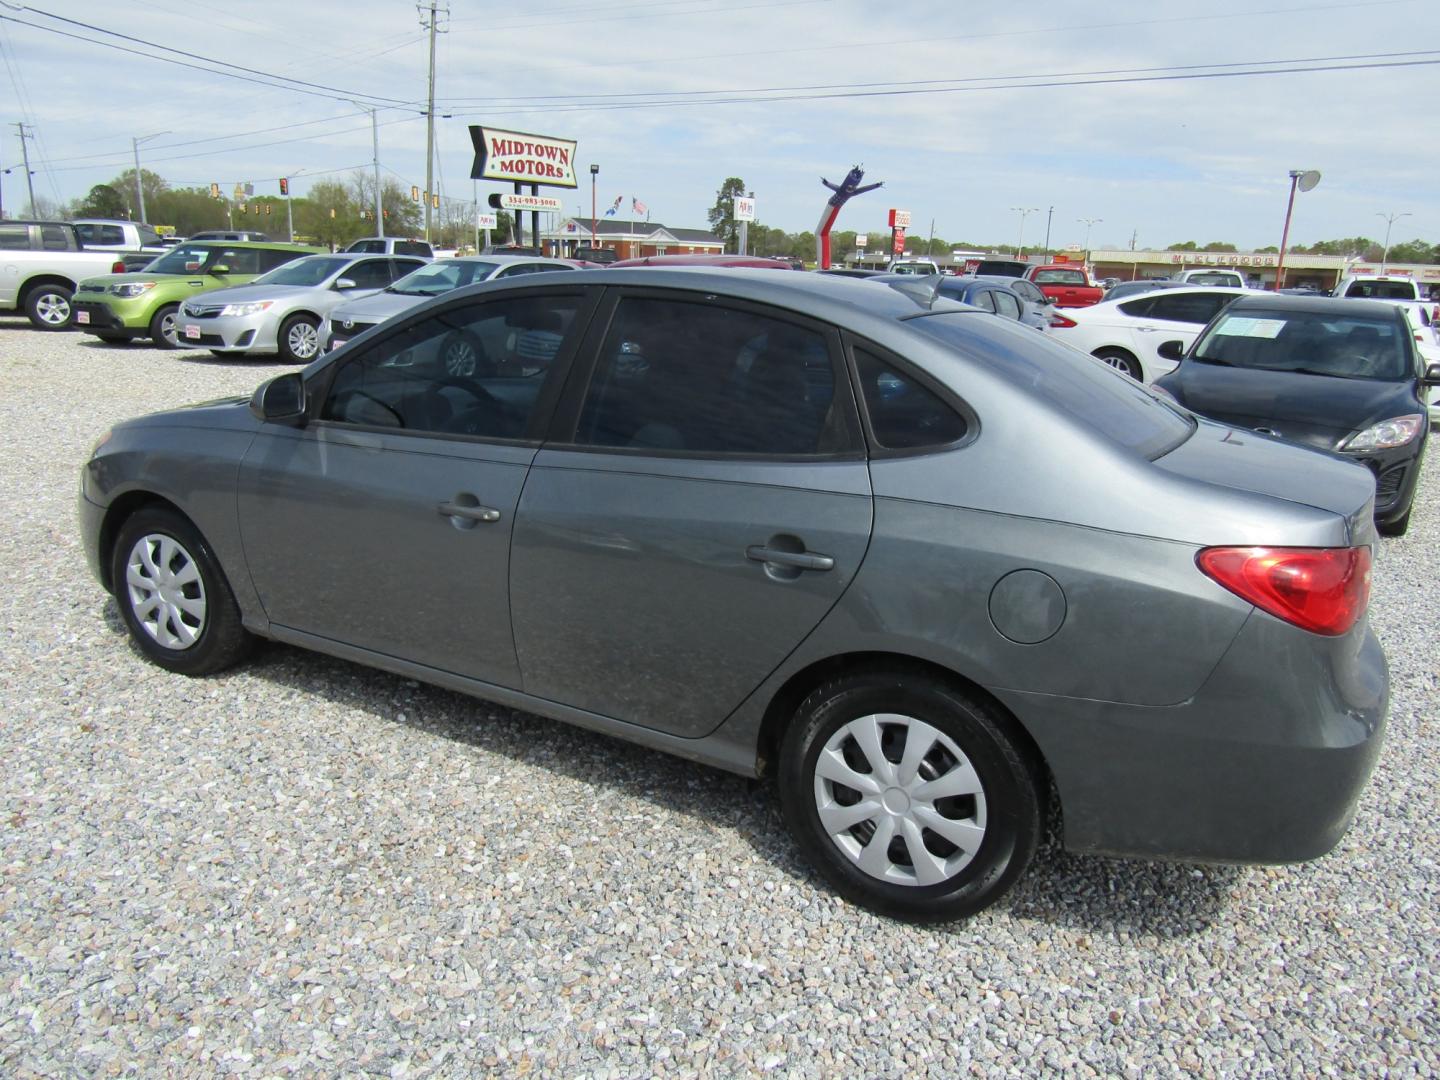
[[307, 867]]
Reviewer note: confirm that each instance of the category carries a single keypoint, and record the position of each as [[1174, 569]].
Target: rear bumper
[[1265, 764]]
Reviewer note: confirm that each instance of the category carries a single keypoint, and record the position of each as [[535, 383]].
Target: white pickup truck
[[1383, 287], [41, 263]]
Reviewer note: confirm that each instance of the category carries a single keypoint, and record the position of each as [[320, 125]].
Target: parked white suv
[[1209, 275]]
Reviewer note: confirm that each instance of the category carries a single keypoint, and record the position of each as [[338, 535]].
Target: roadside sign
[[899, 219], [487, 221], [531, 202], [744, 208]]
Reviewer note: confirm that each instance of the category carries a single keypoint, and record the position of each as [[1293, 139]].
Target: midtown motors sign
[[523, 158]]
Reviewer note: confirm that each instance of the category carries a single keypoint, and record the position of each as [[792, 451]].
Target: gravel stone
[[307, 867]]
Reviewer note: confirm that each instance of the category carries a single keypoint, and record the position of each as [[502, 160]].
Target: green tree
[[1188, 245], [153, 183], [1414, 251], [103, 201], [188, 210], [1270, 250], [722, 215], [1219, 245]]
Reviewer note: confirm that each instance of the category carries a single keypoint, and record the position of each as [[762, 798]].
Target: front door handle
[[799, 560], [474, 513]]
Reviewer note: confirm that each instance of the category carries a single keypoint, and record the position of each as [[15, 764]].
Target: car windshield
[[1308, 342], [1119, 407], [187, 259], [441, 277], [312, 271]]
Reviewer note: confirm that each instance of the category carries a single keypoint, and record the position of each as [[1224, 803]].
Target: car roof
[[268, 245], [1334, 305]]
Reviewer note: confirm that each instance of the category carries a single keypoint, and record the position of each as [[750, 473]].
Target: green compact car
[[120, 307]]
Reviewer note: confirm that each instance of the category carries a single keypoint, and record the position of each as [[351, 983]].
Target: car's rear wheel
[[909, 795], [173, 596], [163, 334], [1120, 360], [48, 307], [299, 339]]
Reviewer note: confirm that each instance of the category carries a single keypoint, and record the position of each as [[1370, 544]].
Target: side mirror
[[221, 269], [1431, 376], [281, 400], [344, 283], [1171, 350]]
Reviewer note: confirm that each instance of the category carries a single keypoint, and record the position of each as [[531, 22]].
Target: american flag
[[639, 207]]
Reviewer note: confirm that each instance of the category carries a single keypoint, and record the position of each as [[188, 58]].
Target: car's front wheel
[[173, 596], [163, 332], [299, 339], [909, 795]]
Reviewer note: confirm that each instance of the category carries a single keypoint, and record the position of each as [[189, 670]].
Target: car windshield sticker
[[1236, 326]]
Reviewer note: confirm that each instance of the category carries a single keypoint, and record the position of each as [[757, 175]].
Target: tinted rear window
[[1059, 277], [1383, 290], [1114, 404]]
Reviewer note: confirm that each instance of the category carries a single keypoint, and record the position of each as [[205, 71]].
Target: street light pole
[[139, 187], [1390, 220], [594, 175], [1024, 212], [1303, 180], [1087, 222], [1048, 218]]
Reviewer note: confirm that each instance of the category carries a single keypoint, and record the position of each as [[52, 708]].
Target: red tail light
[[117, 267], [1323, 590], [1061, 321]]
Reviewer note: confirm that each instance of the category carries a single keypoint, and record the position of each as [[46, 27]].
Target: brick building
[[629, 239]]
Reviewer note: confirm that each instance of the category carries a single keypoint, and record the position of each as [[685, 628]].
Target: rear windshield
[[1213, 277], [1383, 290], [1311, 343], [1112, 403], [1059, 277], [1002, 268]]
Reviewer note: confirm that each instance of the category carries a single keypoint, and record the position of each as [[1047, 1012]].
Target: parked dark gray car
[[921, 565]]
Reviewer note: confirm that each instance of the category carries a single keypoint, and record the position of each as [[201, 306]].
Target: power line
[[278, 81], [1047, 83]]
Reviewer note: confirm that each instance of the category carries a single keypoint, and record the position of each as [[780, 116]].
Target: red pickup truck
[[1068, 286]]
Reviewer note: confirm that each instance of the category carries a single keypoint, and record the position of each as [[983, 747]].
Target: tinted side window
[[1197, 308], [53, 238], [412, 247], [369, 273], [1139, 309], [264, 261], [1006, 304], [368, 247], [14, 237], [983, 298], [475, 370], [904, 415], [400, 267], [700, 377]]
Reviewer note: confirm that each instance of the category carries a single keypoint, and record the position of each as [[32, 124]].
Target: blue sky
[[1164, 160]]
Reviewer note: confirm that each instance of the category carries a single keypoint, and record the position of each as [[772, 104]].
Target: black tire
[[219, 639], [158, 322], [1120, 360], [1008, 805], [282, 339], [48, 307], [1399, 527]]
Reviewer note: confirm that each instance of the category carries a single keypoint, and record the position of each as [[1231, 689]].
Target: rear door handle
[[800, 560], [474, 513]]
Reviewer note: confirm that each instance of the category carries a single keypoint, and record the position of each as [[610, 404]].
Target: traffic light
[[387, 214], [332, 211], [284, 185], [414, 193], [214, 191], [267, 209], [435, 201]]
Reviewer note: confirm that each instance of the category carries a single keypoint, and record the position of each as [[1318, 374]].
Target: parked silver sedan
[[281, 312]]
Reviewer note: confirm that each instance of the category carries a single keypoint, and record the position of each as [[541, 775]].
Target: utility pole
[[375, 161], [1048, 216], [1390, 220], [25, 154], [430, 115], [139, 187]]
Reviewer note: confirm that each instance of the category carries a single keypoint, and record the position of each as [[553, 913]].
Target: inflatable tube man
[[844, 191]]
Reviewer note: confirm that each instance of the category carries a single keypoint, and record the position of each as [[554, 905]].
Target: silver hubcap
[[1119, 363], [53, 309], [165, 591], [167, 328], [900, 799], [304, 340], [460, 359]]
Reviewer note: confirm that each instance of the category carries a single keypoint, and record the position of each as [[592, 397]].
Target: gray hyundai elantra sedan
[[943, 579]]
